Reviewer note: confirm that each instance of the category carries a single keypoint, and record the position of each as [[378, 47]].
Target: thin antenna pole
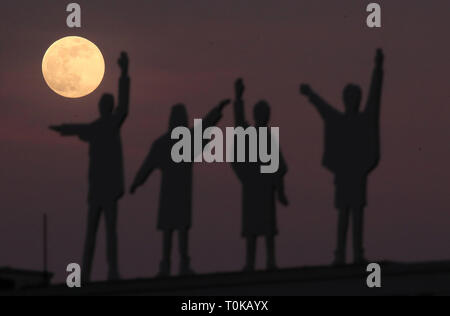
[[45, 243]]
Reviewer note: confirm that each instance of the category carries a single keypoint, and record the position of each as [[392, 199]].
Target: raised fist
[[305, 89], [379, 59], [123, 62]]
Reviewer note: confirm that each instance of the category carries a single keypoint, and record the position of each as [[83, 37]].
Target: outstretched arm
[[374, 100], [149, 165], [121, 112], [83, 131], [321, 105]]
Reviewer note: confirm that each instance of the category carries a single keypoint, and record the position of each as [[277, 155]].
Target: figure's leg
[[358, 230], [251, 253], [111, 241], [271, 258], [185, 260], [164, 267], [342, 236], [89, 244]]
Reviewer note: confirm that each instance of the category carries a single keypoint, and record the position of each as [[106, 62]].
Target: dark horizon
[[192, 53]]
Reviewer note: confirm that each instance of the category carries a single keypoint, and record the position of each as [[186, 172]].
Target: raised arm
[[149, 165], [239, 111], [211, 119], [240, 169], [121, 112], [215, 115], [374, 99], [321, 105]]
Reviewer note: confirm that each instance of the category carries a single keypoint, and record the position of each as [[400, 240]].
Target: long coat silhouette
[[106, 172], [258, 190], [175, 199], [352, 151]]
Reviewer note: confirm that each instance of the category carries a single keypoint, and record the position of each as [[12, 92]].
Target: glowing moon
[[73, 67]]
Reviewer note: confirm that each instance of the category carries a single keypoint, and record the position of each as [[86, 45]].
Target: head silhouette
[[352, 98], [261, 113], [106, 105], [178, 117]]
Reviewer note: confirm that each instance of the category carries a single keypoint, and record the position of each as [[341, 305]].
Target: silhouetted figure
[[352, 151], [175, 200], [258, 190], [106, 175]]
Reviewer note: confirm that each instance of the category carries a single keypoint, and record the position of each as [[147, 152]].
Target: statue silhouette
[[258, 189], [352, 151], [106, 175], [175, 201]]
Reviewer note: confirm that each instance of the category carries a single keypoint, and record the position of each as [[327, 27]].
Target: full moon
[[73, 67]]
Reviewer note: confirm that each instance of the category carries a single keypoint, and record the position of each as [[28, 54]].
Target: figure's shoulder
[[335, 117], [95, 124]]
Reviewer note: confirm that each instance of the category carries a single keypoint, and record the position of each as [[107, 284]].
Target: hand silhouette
[[55, 128], [305, 89], [133, 189], [123, 62], [283, 199], [379, 59], [239, 88]]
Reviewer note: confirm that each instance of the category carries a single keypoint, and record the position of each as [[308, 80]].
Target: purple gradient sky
[[191, 51]]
